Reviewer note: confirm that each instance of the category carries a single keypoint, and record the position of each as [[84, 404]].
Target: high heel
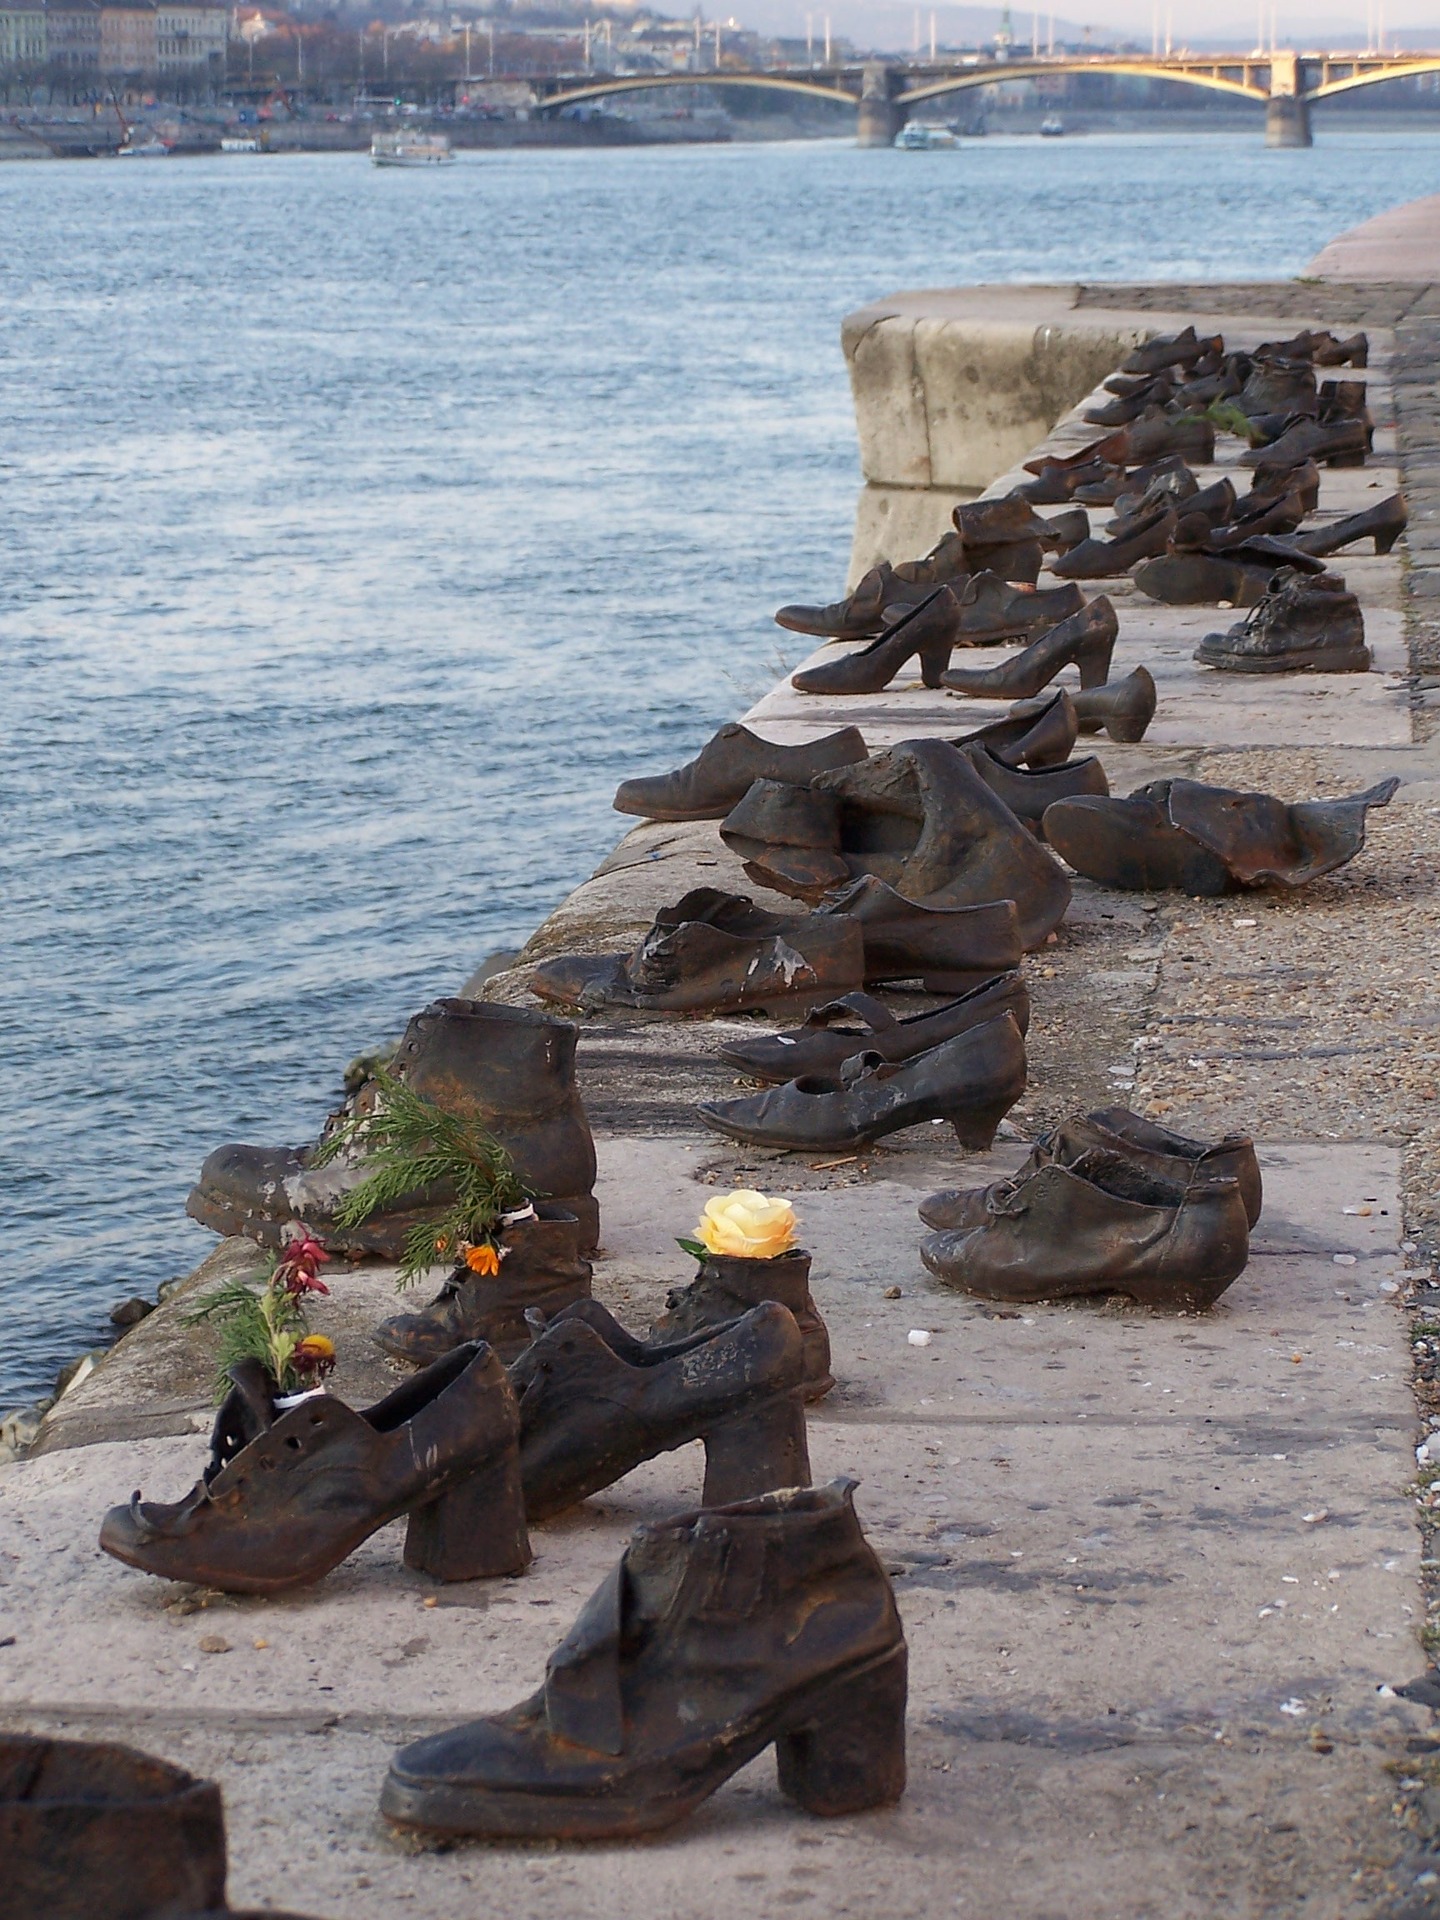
[[1124, 708], [926, 629], [1384, 523], [756, 1450], [1085, 640], [475, 1531], [849, 1754]]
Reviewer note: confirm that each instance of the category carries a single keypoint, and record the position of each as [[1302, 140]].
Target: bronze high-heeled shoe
[[1085, 640]]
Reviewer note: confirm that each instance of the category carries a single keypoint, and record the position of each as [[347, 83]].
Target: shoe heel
[[1126, 729], [1093, 660], [934, 659], [1385, 541], [849, 1755], [476, 1530], [976, 1128], [756, 1451]]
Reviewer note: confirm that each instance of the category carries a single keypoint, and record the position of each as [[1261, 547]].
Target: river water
[[362, 528]]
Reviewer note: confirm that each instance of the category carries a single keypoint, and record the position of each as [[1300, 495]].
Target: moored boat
[[920, 137], [411, 150]]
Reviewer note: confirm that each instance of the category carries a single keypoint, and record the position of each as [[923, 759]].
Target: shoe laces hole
[[294, 1442]]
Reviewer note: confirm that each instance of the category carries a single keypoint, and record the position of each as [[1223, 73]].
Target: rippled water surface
[[361, 529]]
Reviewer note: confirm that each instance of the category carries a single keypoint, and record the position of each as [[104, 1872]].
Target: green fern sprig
[[265, 1326], [419, 1153]]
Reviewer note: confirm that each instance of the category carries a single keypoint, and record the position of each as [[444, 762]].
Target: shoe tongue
[[246, 1412]]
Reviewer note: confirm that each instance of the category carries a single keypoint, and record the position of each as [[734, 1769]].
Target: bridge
[[886, 93]]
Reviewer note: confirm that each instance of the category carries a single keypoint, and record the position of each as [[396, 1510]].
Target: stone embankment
[[1160, 1575]]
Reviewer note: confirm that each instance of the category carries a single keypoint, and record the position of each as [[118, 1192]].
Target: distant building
[[128, 37], [191, 37], [23, 40], [73, 29]]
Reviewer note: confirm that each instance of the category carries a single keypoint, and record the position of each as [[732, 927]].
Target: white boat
[[151, 149], [919, 137], [240, 143], [411, 150], [1052, 127]]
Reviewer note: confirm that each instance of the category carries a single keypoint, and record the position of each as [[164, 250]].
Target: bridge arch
[[648, 83], [1032, 69], [1403, 70]]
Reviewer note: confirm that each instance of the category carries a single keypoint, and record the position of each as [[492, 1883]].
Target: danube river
[[363, 528]]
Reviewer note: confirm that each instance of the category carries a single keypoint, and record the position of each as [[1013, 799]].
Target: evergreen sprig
[[414, 1148], [265, 1326]]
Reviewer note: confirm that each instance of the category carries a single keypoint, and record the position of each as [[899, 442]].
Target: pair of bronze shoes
[[472, 1452], [1107, 1204]]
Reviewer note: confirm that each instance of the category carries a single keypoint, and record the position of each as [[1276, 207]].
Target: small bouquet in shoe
[[743, 1225], [268, 1326], [416, 1149]]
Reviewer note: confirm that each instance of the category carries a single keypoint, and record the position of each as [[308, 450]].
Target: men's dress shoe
[[788, 838], [1156, 433], [1343, 445], [1086, 639], [1158, 390], [1303, 625], [1190, 579], [541, 1270], [1172, 350], [322, 1477], [729, 1285], [1175, 487], [1321, 347], [1110, 451], [1099, 1226], [857, 1023], [1028, 791], [1043, 736], [1124, 708], [919, 817], [509, 1070], [1104, 559], [717, 1633], [972, 1081], [1053, 484], [1117, 485], [1384, 523], [948, 948], [1152, 1149], [707, 787], [988, 610], [1209, 840], [926, 628], [589, 1414], [859, 615], [1011, 520], [712, 952]]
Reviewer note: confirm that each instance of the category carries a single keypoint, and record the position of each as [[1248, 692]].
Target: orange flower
[[314, 1355], [483, 1259]]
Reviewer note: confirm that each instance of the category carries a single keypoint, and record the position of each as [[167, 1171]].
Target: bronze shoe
[[948, 948], [729, 1285], [1086, 639], [1044, 735], [1029, 791], [541, 1270], [592, 1407], [717, 1633], [859, 1023], [1099, 1226], [859, 615], [510, 1070], [713, 952], [1106, 559], [926, 628], [322, 1477], [1147, 1146], [1209, 840], [972, 1081], [1303, 625], [707, 787], [1124, 708]]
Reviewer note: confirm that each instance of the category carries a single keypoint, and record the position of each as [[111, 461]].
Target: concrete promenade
[[1160, 1575]]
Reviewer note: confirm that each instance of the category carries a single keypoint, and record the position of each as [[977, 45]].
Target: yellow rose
[[747, 1225]]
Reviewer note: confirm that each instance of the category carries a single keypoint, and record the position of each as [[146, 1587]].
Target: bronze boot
[[541, 1270], [508, 1068], [729, 1285], [718, 1633]]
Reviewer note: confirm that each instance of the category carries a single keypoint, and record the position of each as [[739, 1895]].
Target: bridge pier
[[879, 118], [1287, 121]]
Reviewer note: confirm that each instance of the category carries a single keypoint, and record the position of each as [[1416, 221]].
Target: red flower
[[298, 1269]]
